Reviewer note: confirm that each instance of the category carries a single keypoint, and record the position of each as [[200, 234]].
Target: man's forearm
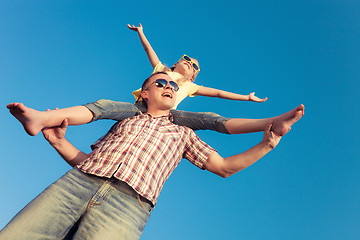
[[226, 167], [243, 160], [69, 153]]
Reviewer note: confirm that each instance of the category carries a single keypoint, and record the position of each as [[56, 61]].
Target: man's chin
[[167, 106]]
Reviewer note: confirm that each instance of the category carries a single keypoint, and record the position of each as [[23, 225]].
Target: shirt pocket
[[171, 133]]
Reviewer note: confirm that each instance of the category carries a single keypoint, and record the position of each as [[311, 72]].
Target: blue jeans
[[107, 109], [81, 206]]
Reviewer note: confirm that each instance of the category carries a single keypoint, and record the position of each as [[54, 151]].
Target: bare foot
[[31, 119], [282, 124]]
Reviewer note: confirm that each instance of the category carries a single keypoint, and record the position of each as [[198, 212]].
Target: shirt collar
[[167, 116]]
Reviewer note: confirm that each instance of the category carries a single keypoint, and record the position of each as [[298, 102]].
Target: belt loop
[[140, 202]]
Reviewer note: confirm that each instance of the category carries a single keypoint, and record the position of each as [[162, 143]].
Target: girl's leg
[[280, 124], [200, 120], [211, 121], [240, 125], [118, 111], [34, 121]]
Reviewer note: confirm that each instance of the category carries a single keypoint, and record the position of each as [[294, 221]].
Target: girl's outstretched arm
[[153, 58], [212, 92]]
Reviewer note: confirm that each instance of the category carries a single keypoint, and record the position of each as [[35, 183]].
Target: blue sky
[[67, 53]]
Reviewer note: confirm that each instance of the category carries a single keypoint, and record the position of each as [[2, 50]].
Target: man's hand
[[254, 98], [55, 135], [270, 138], [136, 29]]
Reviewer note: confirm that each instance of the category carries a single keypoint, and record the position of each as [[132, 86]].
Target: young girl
[[183, 73]]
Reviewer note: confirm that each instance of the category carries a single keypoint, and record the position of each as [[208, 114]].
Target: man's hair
[[143, 87]]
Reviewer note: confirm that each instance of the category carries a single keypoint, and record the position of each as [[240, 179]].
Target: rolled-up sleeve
[[193, 89], [196, 150]]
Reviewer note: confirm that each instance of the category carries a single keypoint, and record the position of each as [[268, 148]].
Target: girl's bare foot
[[282, 124], [31, 119]]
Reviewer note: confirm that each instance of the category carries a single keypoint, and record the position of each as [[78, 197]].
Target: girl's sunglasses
[[162, 83], [188, 59]]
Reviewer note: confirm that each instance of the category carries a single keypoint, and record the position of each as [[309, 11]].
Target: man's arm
[[226, 167], [56, 137], [153, 58], [212, 92]]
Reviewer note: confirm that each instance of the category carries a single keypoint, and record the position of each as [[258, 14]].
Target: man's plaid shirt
[[143, 151]]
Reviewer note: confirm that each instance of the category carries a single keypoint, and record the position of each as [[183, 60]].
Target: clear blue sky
[[66, 53]]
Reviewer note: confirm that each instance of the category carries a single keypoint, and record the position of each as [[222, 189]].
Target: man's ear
[[144, 95]]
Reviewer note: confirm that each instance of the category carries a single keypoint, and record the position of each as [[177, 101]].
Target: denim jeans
[[81, 206], [107, 109]]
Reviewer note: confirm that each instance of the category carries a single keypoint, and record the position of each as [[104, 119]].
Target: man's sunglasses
[[162, 83], [188, 59]]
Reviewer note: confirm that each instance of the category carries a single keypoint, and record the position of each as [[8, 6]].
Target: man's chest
[[156, 131]]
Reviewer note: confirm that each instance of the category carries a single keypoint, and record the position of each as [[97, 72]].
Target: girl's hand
[[254, 98], [136, 29]]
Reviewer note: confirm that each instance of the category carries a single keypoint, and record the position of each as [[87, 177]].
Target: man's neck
[[158, 112]]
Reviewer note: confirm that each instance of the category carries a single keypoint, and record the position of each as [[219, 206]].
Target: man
[[112, 191]]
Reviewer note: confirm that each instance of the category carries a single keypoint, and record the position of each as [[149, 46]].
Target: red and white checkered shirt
[[143, 151]]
